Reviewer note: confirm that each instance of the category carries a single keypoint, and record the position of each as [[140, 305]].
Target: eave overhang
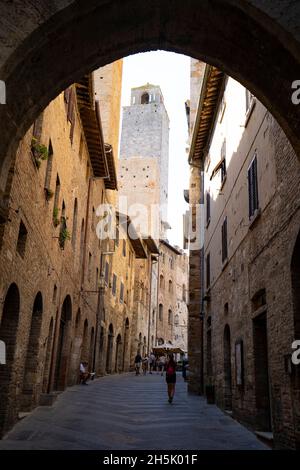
[[211, 93]]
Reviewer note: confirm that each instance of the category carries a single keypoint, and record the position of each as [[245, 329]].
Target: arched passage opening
[[109, 351], [227, 369], [63, 346], [75, 352], [85, 342], [8, 334], [46, 372], [31, 368], [193, 28], [126, 364], [118, 359]]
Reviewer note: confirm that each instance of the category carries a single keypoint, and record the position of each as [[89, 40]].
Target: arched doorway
[[63, 346], [227, 369], [92, 346], [46, 373], [85, 342], [118, 359], [126, 364], [75, 351], [8, 334], [109, 352], [32, 372]]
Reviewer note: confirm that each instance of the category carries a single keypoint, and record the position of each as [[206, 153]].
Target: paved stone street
[[129, 412]]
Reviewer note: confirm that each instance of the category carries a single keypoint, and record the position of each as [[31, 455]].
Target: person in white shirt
[[84, 373]]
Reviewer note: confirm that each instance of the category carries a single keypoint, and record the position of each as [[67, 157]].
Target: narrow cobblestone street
[[129, 412]]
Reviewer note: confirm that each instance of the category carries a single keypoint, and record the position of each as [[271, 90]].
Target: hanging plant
[[39, 151], [63, 237]]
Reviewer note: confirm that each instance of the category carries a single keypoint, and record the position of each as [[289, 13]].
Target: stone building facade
[[172, 296], [56, 307], [249, 191]]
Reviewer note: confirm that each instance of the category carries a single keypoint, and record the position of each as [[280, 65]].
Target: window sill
[[249, 112], [254, 219]]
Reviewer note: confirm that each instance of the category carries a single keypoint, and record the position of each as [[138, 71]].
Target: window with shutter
[[106, 274], [122, 292], [224, 241], [207, 208], [114, 285], [253, 188]]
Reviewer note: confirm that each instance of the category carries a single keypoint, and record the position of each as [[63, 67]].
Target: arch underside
[[258, 48]]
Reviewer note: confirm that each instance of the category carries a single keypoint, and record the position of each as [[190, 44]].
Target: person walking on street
[[145, 364], [152, 360], [171, 376], [137, 363]]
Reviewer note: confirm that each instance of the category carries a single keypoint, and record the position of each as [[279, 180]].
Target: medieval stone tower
[[144, 151]]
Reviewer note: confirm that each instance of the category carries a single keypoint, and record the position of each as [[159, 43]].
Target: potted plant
[[39, 151], [210, 392], [63, 236]]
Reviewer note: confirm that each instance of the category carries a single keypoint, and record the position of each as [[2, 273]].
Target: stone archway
[[227, 369], [265, 58], [32, 371], [110, 346], [63, 346], [8, 334], [118, 358], [49, 345], [126, 359]]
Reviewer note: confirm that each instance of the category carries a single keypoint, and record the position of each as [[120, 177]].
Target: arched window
[[176, 320], [170, 317], [160, 312], [170, 286], [145, 98], [161, 281]]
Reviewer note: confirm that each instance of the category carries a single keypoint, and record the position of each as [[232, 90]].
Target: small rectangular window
[[124, 247], [122, 292], [22, 238], [106, 273], [223, 160], [207, 208], [224, 241], [114, 285], [253, 188]]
